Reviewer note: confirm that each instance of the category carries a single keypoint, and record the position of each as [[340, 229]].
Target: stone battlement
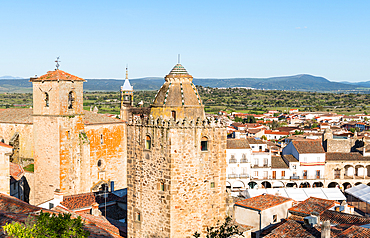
[[181, 123]]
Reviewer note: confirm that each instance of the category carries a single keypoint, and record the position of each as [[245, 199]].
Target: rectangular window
[[255, 174], [212, 184], [282, 174], [265, 174], [318, 159], [305, 174], [101, 139], [204, 145], [138, 216], [162, 186], [256, 161], [317, 174]]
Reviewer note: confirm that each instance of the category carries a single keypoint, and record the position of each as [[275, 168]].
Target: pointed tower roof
[[179, 69], [57, 75], [127, 86], [178, 94]]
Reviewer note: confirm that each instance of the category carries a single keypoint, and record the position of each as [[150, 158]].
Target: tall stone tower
[[57, 122], [127, 99], [176, 164]]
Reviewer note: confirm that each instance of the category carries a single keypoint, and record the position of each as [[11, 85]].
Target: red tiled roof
[[14, 205], [290, 229], [270, 132], [334, 156], [312, 204], [85, 200], [263, 201], [5, 145], [16, 171], [343, 218], [355, 232], [57, 75], [306, 147], [237, 144]]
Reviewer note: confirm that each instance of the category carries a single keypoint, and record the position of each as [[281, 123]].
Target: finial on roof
[[178, 58], [126, 71], [57, 61]]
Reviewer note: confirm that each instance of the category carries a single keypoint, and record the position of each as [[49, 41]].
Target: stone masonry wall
[[188, 203]]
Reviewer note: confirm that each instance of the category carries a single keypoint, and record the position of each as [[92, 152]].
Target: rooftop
[[335, 156], [57, 75], [290, 158], [24, 116], [263, 202], [306, 147], [16, 171], [312, 204], [278, 162], [237, 144]]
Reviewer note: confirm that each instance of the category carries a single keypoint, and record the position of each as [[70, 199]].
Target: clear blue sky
[[96, 39]]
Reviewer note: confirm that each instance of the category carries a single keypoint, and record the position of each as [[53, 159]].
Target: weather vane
[[57, 61]]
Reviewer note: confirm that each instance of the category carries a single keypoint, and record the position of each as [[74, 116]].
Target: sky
[[216, 39]]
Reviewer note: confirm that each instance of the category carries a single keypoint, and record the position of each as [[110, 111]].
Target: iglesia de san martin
[[171, 158]]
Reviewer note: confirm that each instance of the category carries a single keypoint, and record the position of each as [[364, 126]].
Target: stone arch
[[252, 184], [291, 185], [359, 170], [228, 185], [238, 184], [148, 142], [358, 183], [278, 184], [317, 185], [368, 184], [71, 100], [305, 185], [333, 185], [367, 171], [349, 171], [347, 185], [266, 184]]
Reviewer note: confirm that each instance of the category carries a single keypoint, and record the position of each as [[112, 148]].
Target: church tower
[[176, 164], [127, 98], [57, 123]]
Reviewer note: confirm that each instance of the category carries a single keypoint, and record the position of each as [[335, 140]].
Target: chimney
[[325, 229], [317, 215], [58, 195], [95, 209]]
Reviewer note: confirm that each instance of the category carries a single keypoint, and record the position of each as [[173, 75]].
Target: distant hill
[[302, 82], [10, 77], [365, 84]]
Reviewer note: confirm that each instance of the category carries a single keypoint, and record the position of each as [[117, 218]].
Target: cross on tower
[[57, 61]]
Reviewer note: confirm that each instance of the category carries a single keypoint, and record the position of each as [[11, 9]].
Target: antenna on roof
[[126, 71], [178, 58], [57, 61]]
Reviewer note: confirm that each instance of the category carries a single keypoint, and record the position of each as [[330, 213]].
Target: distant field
[[241, 100]]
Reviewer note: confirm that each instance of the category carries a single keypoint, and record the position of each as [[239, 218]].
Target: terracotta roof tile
[[5, 145], [24, 116], [310, 205], [355, 232], [306, 147], [290, 229], [290, 158], [254, 141], [263, 201], [16, 171], [14, 205], [277, 162], [85, 200], [334, 156], [19, 115], [237, 144], [343, 218], [57, 75]]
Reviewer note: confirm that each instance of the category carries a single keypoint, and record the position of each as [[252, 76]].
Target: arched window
[[71, 100], [173, 115], [148, 142], [204, 144], [46, 100]]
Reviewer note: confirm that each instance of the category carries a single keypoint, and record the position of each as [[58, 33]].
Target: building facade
[[176, 164]]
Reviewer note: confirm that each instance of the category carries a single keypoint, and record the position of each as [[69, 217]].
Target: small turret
[[127, 98]]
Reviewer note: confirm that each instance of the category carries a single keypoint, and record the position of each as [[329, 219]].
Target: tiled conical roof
[[178, 69]]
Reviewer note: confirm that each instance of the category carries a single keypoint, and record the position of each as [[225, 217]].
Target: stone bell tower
[[127, 99], [176, 164], [57, 122]]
